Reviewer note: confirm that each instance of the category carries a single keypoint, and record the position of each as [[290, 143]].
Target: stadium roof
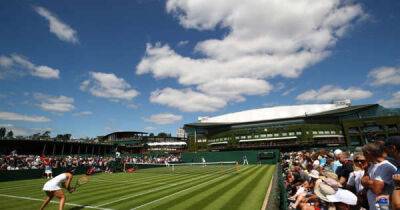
[[274, 113]]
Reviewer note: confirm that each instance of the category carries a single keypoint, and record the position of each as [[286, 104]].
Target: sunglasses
[[360, 161]]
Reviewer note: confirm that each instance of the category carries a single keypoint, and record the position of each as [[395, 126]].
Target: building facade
[[298, 126]]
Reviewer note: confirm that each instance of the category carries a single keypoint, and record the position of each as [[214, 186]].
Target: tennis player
[[53, 188]]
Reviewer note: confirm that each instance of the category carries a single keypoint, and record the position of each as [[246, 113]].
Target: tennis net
[[185, 168]]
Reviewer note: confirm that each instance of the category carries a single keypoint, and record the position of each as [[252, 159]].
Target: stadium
[[200, 105], [222, 159], [295, 127]]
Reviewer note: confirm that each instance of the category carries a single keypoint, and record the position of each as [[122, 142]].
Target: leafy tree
[[67, 137], [2, 133], [10, 134], [45, 135], [151, 134], [60, 137], [36, 136], [162, 134]]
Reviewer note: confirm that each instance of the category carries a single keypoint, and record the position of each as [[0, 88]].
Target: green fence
[[278, 196], [253, 156]]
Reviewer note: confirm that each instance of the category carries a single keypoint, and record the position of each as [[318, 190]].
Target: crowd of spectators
[[21, 162], [364, 178], [159, 159], [16, 161]]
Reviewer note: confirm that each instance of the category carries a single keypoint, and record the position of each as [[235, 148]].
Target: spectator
[[354, 181], [378, 180], [336, 156], [392, 149], [345, 169]]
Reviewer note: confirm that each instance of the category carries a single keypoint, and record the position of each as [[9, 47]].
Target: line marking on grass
[[162, 198], [152, 190], [143, 193], [68, 204]]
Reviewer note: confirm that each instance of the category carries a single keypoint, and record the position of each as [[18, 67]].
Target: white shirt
[[382, 171], [355, 180]]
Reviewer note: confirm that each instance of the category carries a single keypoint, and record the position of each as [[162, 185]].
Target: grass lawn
[[203, 188]]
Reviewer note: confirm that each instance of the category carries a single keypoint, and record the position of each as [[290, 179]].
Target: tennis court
[[209, 187]]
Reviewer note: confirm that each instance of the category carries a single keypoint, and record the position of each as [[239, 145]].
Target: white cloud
[[21, 62], [385, 76], [83, 113], [182, 43], [393, 102], [108, 85], [164, 118], [265, 39], [187, 100], [287, 92], [63, 31], [330, 92], [149, 129], [234, 88], [22, 131], [21, 117], [58, 104], [5, 61]]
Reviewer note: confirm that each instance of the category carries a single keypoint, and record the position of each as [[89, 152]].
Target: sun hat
[[332, 182], [315, 164], [322, 190], [331, 175], [314, 174], [343, 196]]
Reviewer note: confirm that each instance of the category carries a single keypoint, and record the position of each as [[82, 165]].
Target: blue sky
[[90, 68]]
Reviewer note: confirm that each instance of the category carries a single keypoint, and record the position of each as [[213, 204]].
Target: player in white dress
[[53, 187]]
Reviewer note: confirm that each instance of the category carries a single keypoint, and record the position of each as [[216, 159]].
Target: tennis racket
[[81, 181]]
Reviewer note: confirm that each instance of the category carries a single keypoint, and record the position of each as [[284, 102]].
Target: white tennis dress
[[55, 183]]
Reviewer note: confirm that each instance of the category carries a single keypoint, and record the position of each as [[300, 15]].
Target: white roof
[[272, 113], [176, 143]]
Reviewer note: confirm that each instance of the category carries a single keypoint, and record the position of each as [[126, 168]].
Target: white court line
[[68, 204], [133, 181], [162, 198], [152, 190]]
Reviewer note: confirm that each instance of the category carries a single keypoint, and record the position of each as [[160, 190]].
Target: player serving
[[53, 188]]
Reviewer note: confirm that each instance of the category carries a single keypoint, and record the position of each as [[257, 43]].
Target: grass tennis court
[[203, 188]]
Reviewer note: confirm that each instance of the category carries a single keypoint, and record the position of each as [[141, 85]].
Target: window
[[269, 135], [263, 135], [256, 136], [299, 133], [276, 134], [284, 134], [237, 137], [243, 137], [320, 132], [314, 132], [291, 133], [249, 137], [333, 132]]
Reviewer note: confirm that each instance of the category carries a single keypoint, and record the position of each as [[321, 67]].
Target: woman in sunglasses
[[354, 182]]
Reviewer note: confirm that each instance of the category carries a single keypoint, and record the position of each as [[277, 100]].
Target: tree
[[162, 134], [45, 135], [10, 134], [67, 137], [2, 133], [151, 134], [36, 136]]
